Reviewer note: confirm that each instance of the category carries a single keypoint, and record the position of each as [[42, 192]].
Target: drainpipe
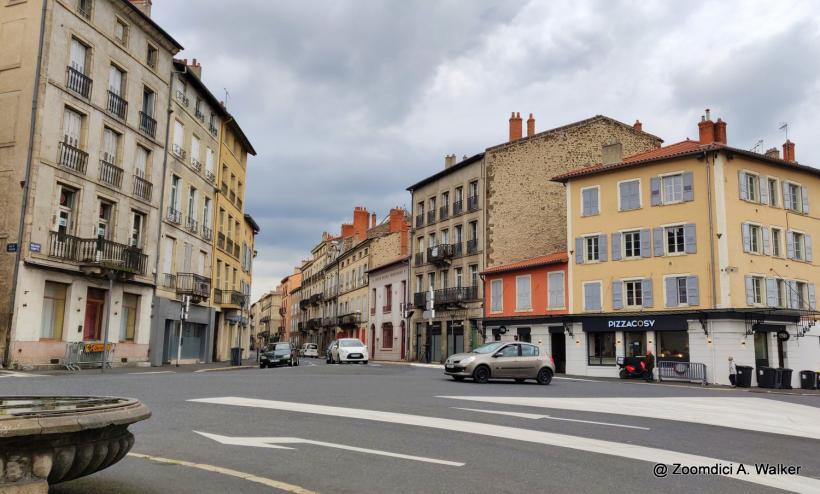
[[21, 227], [713, 275]]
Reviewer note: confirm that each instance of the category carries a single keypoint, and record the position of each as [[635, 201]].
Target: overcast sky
[[349, 102]]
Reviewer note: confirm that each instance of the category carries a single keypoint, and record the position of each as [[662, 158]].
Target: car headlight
[[467, 360]]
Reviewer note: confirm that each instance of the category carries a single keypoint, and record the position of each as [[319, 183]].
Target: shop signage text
[[640, 323]]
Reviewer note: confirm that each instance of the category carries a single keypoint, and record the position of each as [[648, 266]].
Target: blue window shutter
[[602, 241], [787, 196], [587, 297], [655, 187], [750, 294], [616, 246], [585, 202], [812, 297], [792, 288], [764, 190], [741, 180], [594, 201], [646, 287], [771, 292], [617, 294], [658, 241], [671, 292], [807, 239], [579, 250], [692, 292], [646, 250], [597, 295], [747, 238], [789, 244], [805, 193], [688, 187], [767, 247], [690, 239]]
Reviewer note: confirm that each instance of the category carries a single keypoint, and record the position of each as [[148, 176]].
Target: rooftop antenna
[[227, 95], [757, 147], [784, 126]]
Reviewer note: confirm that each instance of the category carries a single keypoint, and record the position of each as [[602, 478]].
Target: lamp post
[[242, 303]]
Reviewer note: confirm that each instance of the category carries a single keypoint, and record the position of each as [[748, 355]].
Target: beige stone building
[[83, 89], [290, 305], [267, 318]]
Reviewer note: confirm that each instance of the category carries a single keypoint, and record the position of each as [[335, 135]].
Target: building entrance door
[[94, 313], [455, 338], [558, 345]]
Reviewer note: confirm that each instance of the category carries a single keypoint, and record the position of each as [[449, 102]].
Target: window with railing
[[110, 173], [78, 82], [73, 157], [117, 105], [142, 188]]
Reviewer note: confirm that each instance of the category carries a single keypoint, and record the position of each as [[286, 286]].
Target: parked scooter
[[632, 367]]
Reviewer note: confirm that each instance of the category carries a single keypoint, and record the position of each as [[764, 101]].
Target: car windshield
[[489, 347], [312, 346], [350, 343], [281, 347]]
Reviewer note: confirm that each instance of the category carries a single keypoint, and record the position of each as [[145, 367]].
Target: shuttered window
[[682, 290], [555, 283], [496, 295], [629, 195], [592, 296], [589, 200], [523, 299]]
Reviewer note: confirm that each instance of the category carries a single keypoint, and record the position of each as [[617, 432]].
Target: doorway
[[761, 349], [94, 311], [558, 344], [455, 338], [635, 343]]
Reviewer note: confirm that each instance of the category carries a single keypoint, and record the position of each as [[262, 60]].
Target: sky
[[349, 102]]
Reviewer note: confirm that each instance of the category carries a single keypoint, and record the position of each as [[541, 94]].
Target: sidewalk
[[249, 363]]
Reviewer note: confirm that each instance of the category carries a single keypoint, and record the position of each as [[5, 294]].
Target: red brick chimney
[[706, 129], [638, 126], [143, 5], [361, 218], [347, 230], [399, 224], [515, 126], [788, 150], [720, 131], [373, 220], [530, 126]]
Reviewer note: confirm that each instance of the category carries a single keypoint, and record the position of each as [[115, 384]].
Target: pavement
[[385, 428]]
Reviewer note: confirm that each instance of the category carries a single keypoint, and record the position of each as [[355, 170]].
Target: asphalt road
[[428, 443]]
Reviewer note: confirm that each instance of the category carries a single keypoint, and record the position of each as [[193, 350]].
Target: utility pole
[[183, 316]]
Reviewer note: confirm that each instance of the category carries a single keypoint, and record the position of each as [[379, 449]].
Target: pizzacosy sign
[[671, 322], [626, 323]]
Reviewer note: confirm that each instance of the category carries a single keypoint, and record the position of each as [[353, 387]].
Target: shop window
[[673, 345], [128, 321], [601, 348]]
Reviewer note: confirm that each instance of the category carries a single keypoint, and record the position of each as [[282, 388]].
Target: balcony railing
[[78, 82], [213, 130], [193, 284], [147, 124], [110, 174], [456, 295], [98, 252], [200, 115], [419, 221], [169, 281], [330, 321], [209, 176], [191, 224], [142, 188], [472, 246], [74, 158], [420, 300], [84, 8], [444, 212], [220, 240], [229, 297], [174, 216], [180, 152], [348, 320], [458, 207], [117, 105], [314, 323], [316, 298], [458, 249], [207, 233], [196, 165], [440, 254], [472, 203], [183, 99], [304, 304], [431, 217]]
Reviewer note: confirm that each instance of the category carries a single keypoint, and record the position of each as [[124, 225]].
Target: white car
[[348, 350], [310, 350]]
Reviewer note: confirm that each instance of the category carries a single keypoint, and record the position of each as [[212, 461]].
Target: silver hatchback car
[[502, 360]]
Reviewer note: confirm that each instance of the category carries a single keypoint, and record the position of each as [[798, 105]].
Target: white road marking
[[150, 372], [273, 442], [792, 483], [227, 471], [749, 414], [8, 373], [374, 365], [536, 416]]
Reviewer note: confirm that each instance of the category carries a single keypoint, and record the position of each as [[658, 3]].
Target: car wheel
[[261, 366], [481, 374], [364, 362], [519, 381], [458, 378], [544, 376], [623, 374]]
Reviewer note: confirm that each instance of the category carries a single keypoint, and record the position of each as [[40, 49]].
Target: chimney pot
[[638, 126], [515, 127], [720, 131], [530, 126], [373, 220], [788, 151], [773, 153], [706, 129]]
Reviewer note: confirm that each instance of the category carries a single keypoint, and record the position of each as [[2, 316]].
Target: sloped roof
[[555, 258]]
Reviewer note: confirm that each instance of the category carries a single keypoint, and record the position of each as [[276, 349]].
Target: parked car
[[310, 350], [502, 360], [279, 354], [348, 350], [328, 351]]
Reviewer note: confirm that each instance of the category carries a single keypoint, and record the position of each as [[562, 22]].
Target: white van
[[310, 350]]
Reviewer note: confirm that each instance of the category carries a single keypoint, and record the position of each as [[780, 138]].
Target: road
[[400, 428]]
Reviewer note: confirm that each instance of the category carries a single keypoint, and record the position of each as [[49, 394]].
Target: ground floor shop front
[[433, 342], [189, 341]]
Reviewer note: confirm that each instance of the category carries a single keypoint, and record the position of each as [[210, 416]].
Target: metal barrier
[[80, 353], [684, 371], [72, 355]]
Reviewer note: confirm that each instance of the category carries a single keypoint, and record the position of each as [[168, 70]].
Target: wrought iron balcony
[[117, 105], [213, 130], [444, 212], [191, 224], [386, 309], [472, 203], [110, 174], [184, 100], [458, 249], [458, 207], [200, 115], [419, 258], [78, 82], [316, 298], [431, 217], [230, 297], [196, 165], [349, 320], [195, 285], [330, 321], [73, 158], [168, 280], [456, 295], [98, 253], [472, 246], [148, 125], [304, 304], [180, 152], [84, 8], [207, 233], [174, 216], [142, 188], [209, 176], [314, 323], [440, 254]]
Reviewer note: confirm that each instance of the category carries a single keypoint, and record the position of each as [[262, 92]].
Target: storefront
[[546, 331]]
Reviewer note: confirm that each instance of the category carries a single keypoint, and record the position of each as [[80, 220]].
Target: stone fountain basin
[[48, 440]]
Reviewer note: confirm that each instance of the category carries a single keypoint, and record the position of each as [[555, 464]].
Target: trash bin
[[236, 356], [785, 378], [766, 377], [744, 376], [808, 380]]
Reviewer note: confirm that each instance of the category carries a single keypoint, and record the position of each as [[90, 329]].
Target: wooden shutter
[[655, 188], [646, 250], [750, 294], [617, 294], [771, 292], [688, 187], [804, 192], [744, 191], [764, 190], [767, 248], [602, 251], [579, 250], [812, 297], [747, 238], [671, 292], [646, 287], [690, 239], [787, 196], [789, 244], [658, 241], [692, 292], [616, 246], [808, 249]]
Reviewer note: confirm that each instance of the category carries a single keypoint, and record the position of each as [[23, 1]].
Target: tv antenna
[[227, 95], [757, 147], [784, 126]]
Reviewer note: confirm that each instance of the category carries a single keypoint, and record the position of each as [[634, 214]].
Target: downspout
[[713, 275], [21, 227]]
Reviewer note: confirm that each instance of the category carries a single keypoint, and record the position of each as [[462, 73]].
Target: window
[[680, 291], [782, 293], [110, 147], [84, 8], [105, 222], [128, 321], [459, 276], [592, 296], [555, 289], [672, 187], [191, 203], [459, 194], [72, 127], [431, 240], [175, 185], [431, 280], [754, 290], [801, 295], [629, 195], [497, 295], [387, 335], [195, 150], [473, 190], [78, 55], [793, 197], [149, 99], [589, 201], [632, 244], [54, 297], [116, 82], [591, 248], [137, 226], [673, 345], [754, 236], [444, 278], [777, 233], [445, 200], [206, 213], [601, 348], [179, 137], [634, 293], [749, 187], [523, 298], [474, 275], [65, 210], [121, 32], [774, 192], [151, 56], [445, 237], [675, 242], [798, 246]]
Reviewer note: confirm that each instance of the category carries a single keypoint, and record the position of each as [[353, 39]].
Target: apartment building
[[186, 230], [697, 251], [290, 305], [83, 88], [267, 317], [353, 262], [249, 232]]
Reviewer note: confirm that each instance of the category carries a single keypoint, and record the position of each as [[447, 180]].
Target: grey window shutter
[[741, 180], [594, 201], [579, 250], [690, 239], [805, 193], [671, 292], [750, 295], [767, 249], [747, 238], [646, 288], [658, 241], [764, 190], [812, 297], [588, 297], [787, 196], [655, 187], [617, 294], [792, 287], [692, 292], [688, 187], [646, 250], [585, 206], [807, 239], [602, 241], [597, 296], [616, 246], [771, 292], [789, 244]]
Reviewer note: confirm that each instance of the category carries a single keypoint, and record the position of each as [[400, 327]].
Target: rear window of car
[[529, 351]]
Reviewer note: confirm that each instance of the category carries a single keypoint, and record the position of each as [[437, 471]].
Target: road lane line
[[150, 372], [536, 416], [577, 379], [227, 471], [793, 483]]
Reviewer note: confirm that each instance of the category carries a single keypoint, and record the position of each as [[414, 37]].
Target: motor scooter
[[632, 367]]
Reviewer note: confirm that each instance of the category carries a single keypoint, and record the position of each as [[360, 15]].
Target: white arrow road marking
[[749, 414], [536, 416], [273, 442], [794, 483]]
